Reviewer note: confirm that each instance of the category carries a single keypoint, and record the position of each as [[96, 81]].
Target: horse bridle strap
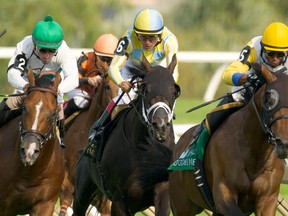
[[42, 137], [154, 108], [51, 90], [265, 124]]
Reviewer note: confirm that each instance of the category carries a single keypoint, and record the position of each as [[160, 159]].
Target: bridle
[[265, 118], [42, 137]]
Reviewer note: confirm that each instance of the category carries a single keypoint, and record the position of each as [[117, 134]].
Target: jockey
[[91, 66], [149, 37], [270, 49], [44, 52]]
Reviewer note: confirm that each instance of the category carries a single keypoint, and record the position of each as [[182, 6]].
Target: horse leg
[[84, 188], [44, 208], [181, 204], [106, 209], [66, 194], [225, 200], [118, 206], [266, 205], [162, 200]]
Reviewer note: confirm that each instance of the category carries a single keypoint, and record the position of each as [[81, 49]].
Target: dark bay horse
[[133, 169], [75, 138], [32, 162], [243, 162]]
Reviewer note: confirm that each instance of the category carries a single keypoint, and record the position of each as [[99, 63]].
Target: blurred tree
[[203, 25]]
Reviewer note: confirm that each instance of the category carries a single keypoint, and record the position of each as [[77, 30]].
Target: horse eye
[[271, 99], [177, 91]]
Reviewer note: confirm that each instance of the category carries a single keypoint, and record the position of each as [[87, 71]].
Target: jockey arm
[[17, 65], [70, 71], [236, 74], [171, 48]]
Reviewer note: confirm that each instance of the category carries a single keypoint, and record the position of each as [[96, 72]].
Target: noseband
[[42, 137]]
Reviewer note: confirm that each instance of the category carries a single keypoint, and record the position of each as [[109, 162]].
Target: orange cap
[[105, 45]]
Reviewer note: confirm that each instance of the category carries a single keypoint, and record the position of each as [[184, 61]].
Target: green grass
[[196, 116]]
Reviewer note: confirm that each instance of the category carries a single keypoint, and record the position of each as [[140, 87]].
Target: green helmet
[[47, 34]]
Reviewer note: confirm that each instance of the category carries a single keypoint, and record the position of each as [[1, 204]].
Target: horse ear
[[268, 75], [146, 64], [57, 80], [172, 64], [31, 77]]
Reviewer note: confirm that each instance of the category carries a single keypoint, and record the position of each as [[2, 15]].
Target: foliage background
[[200, 25]]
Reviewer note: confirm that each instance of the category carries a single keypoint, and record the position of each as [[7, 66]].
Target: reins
[[12, 95]]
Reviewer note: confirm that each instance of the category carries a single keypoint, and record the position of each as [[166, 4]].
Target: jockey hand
[[243, 79], [95, 80], [125, 86], [253, 79]]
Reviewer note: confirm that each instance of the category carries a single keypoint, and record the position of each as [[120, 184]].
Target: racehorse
[[32, 162], [133, 168], [243, 162], [75, 136]]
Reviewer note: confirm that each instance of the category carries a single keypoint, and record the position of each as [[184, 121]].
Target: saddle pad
[[187, 159]]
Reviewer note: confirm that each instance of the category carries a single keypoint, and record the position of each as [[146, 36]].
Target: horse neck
[[98, 103], [256, 140]]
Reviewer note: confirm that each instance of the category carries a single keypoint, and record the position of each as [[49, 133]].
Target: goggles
[[275, 53], [151, 38], [105, 59], [45, 50]]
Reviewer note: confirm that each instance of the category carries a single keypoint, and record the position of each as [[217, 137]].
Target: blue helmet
[[148, 21]]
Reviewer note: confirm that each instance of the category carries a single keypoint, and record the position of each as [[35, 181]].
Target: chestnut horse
[[244, 159], [32, 161], [76, 138], [133, 168]]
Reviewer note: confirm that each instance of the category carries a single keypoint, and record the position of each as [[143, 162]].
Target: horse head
[[159, 92], [274, 116], [39, 116]]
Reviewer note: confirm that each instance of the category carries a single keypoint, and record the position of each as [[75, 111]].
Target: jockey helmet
[[47, 34], [275, 37], [148, 22], [105, 45]]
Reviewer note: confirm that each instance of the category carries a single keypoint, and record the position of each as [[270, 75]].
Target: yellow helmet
[[149, 22], [275, 37], [105, 45]]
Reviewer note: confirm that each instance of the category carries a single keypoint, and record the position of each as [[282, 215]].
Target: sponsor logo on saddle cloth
[[189, 157]]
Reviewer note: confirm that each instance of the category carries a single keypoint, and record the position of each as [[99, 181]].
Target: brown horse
[[133, 169], [32, 162], [243, 162], [76, 138]]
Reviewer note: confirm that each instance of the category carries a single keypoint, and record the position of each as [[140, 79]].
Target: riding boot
[[70, 108], [97, 128], [61, 127], [6, 114]]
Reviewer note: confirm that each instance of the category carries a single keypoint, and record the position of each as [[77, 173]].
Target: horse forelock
[[43, 82]]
